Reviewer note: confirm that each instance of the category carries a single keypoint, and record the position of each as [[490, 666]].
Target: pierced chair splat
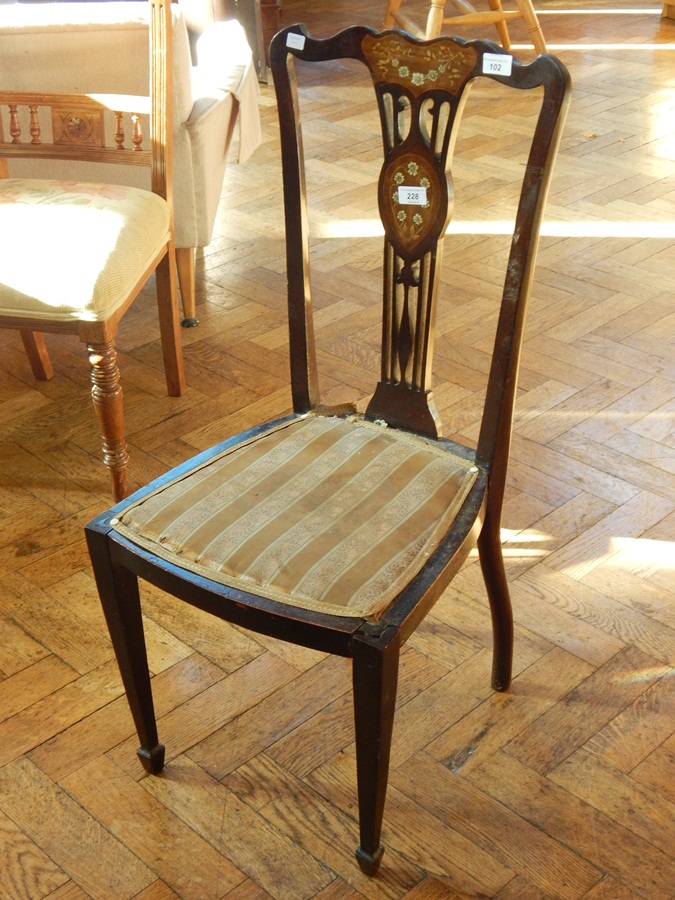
[[331, 529]]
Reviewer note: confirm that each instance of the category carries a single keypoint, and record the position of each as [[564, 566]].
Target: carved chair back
[[421, 90]]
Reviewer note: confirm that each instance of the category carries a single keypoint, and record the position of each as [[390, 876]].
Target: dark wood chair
[[75, 254], [329, 529]]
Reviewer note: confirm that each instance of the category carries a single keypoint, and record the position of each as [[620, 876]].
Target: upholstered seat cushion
[[74, 251], [322, 513]]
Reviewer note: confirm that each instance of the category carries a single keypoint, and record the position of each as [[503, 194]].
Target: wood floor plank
[[63, 707], [207, 712], [597, 700], [108, 726], [489, 824], [26, 872], [644, 813], [501, 717], [255, 729], [469, 869], [239, 833], [151, 833], [63, 829], [596, 837], [562, 787]]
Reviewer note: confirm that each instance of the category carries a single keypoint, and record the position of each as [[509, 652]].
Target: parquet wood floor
[[564, 787]]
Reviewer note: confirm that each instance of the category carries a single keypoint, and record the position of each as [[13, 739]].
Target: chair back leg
[[169, 326], [38, 356]]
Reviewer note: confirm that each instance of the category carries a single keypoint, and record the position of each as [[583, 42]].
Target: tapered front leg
[[120, 599], [375, 679], [106, 392]]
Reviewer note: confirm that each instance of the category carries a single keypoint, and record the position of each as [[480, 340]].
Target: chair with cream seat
[[99, 47], [468, 15], [76, 254], [328, 528]]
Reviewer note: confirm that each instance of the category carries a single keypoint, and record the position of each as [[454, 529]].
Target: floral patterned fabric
[[73, 250]]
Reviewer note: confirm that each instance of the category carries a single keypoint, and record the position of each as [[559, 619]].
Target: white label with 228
[[412, 196]]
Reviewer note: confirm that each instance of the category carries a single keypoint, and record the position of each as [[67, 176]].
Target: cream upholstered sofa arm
[[102, 48]]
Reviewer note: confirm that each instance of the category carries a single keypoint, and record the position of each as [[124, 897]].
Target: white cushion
[[74, 251]]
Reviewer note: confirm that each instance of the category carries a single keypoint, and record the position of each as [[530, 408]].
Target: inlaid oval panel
[[413, 202]]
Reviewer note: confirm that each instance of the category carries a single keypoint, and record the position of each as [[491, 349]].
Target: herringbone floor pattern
[[564, 787]]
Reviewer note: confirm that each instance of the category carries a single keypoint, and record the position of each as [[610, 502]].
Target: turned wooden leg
[[435, 19], [502, 27], [167, 306], [494, 575], [106, 393], [118, 590], [38, 356], [375, 677], [185, 262], [392, 10], [532, 22]]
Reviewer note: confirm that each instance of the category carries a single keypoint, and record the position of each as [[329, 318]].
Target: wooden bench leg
[[502, 27], [533, 26]]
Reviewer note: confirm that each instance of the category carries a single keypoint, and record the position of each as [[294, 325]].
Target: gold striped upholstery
[[324, 513]]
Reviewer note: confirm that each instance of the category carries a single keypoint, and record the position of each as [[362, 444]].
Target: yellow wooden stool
[[469, 15]]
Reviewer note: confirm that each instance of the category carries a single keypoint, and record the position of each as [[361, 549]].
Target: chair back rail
[[421, 91]]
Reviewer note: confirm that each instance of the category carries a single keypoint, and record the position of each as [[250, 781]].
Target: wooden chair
[[326, 528], [469, 15], [78, 47], [75, 255]]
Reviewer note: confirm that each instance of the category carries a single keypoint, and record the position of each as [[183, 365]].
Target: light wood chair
[[74, 256], [327, 528], [79, 47], [469, 15]]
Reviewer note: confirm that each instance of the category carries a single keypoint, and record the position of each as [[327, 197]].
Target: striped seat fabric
[[324, 513]]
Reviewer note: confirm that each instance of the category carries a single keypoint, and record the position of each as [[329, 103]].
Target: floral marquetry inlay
[[420, 67], [412, 221]]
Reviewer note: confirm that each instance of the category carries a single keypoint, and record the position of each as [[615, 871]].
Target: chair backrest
[[102, 128], [421, 88]]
